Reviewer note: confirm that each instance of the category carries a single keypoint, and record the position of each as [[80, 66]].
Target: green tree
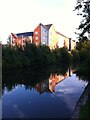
[[75, 55], [83, 7]]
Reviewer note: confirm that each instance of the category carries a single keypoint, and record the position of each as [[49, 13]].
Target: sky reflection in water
[[53, 97]]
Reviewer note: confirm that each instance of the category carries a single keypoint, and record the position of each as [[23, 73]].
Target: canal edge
[[82, 100]]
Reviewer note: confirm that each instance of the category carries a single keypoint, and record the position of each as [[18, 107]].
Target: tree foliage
[[83, 7], [32, 55]]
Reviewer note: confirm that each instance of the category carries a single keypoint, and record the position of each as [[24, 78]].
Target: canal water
[[40, 93]]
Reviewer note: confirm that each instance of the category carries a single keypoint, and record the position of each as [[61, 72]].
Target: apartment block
[[52, 36], [20, 39], [40, 35], [43, 35]]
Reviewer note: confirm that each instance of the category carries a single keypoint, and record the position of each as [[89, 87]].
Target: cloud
[[20, 113]]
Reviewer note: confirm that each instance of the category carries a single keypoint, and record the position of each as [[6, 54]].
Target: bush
[[84, 50], [65, 55], [32, 55], [75, 55]]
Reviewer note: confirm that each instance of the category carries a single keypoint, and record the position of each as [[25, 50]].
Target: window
[[37, 43], [14, 41], [36, 38], [36, 32], [24, 39], [43, 43], [20, 36], [43, 32], [44, 38]]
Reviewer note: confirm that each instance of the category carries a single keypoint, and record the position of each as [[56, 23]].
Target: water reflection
[[54, 79], [40, 80], [83, 76], [46, 93]]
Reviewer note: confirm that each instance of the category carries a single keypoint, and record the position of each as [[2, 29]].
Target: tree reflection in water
[[43, 80], [34, 87]]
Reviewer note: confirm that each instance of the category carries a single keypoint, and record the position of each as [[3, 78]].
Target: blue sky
[[24, 15]]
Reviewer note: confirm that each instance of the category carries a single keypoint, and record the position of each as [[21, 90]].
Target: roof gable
[[43, 25], [61, 34], [48, 26]]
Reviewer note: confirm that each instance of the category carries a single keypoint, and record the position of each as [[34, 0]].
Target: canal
[[40, 93]]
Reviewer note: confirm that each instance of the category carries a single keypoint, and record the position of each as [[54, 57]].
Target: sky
[[18, 16]]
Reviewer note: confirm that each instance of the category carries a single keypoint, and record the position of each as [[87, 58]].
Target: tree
[[83, 7]]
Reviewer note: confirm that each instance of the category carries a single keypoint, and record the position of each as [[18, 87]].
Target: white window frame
[[36, 38], [36, 32], [37, 43]]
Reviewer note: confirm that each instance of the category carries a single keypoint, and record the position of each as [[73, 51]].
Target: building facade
[[20, 39], [40, 35], [52, 36], [43, 35], [73, 44], [37, 35], [62, 40]]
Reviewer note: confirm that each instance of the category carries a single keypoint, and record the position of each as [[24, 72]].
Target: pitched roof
[[43, 25], [14, 35], [48, 26], [25, 34], [61, 34]]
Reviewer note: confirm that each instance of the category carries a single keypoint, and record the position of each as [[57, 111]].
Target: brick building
[[43, 35]]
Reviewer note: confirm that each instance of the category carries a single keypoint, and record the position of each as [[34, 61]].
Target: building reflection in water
[[54, 79]]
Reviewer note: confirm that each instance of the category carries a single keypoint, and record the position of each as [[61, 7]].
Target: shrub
[[32, 55], [75, 55]]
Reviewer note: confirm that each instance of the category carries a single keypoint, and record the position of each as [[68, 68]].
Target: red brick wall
[[38, 29], [17, 41], [54, 81], [27, 39], [13, 40], [20, 41]]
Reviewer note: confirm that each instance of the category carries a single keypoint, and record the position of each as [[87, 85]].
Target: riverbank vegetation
[[84, 110], [83, 9], [82, 54], [31, 55]]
